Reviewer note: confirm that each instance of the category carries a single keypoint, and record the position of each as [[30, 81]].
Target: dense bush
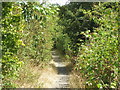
[[74, 19], [88, 31], [39, 31], [11, 40], [27, 33], [98, 59], [93, 36]]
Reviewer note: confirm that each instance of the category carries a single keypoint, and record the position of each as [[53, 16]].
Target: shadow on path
[[63, 77]]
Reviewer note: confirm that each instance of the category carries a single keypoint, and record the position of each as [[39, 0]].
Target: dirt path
[[62, 75]]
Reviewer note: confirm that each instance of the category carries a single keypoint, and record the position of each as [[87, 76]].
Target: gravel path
[[62, 75]]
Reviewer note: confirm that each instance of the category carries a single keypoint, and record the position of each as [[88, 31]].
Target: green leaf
[[99, 85]]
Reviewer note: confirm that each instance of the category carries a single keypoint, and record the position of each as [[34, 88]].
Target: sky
[[60, 2]]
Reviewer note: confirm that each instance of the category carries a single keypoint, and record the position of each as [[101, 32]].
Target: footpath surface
[[62, 73]]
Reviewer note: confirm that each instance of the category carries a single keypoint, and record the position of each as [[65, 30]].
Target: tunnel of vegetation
[[86, 32]]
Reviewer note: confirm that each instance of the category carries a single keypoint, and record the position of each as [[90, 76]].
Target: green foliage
[[92, 29], [63, 42], [98, 58], [39, 38], [27, 33], [11, 35], [88, 31], [75, 21]]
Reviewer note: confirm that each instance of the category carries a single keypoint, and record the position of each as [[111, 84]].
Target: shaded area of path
[[62, 73]]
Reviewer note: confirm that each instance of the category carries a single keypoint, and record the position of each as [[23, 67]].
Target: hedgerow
[[92, 29], [99, 57], [27, 33], [86, 32]]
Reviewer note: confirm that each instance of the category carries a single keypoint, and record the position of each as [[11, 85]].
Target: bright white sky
[[60, 2]]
